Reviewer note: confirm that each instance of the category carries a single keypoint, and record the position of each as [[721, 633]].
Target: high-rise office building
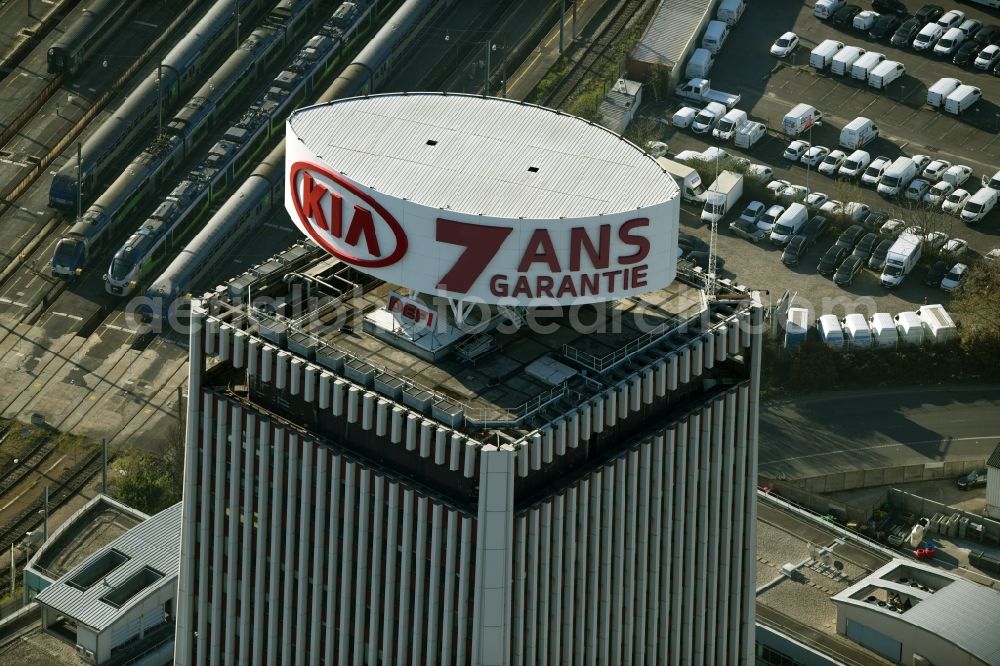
[[484, 422]]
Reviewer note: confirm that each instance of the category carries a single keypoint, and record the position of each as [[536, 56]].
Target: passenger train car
[[88, 34]]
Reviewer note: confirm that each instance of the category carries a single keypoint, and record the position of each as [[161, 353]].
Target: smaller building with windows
[[118, 604]]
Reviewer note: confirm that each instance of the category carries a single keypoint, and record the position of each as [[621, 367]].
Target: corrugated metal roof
[[994, 459], [671, 30], [964, 613], [155, 543], [482, 155]]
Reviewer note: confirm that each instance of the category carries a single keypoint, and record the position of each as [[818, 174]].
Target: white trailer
[[938, 324]]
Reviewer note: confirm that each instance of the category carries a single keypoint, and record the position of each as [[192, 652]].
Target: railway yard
[[152, 168]]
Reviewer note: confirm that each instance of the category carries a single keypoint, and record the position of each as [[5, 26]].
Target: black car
[[850, 237], [928, 13], [690, 242], [828, 264], [906, 32], [966, 53], [875, 220], [846, 271], [935, 274], [747, 230], [844, 17], [814, 227], [885, 25], [795, 250], [700, 258], [877, 262], [889, 7], [863, 250], [996, 69], [974, 479], [988, 34]]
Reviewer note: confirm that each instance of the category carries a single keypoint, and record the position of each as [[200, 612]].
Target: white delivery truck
[[708, 117], [715, 36], [938, 324], [961, 99], [858, 133], [722, 196], [686, 177], [939, 91], [789, 223], [730, 124], [830, 331], [749, 134], [883, 328], [901, 258], [730, 11], [885, 73], [824, 9], [897, 176], [979, 205], [856, 327], [700, 64], [845, 59], [863, 66], [683, 117], [796, 327], [700, 90], [821, 57], [909, 327], [800, 118]]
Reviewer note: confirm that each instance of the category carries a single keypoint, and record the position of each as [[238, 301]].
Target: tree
[[152, 482], [977, 301]]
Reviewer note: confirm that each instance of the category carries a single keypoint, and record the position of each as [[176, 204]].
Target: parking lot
[[770, 88]]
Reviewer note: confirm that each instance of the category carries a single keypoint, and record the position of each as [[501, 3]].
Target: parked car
[[850, 237], [949, 42], [759, 173], [847, 271], [877, 260], [795, 250], [966, 54], [784, 45], [906, 32], [928, 13], [700, 258], [844, 16], [776, 186], [814, 155], [921, 162], [814, 227], [875, 221], [796, 149], [889, 6], [935, 170], [815, 199], [988, 34], [956, 174], [892, 228], [928, 37], [974, 479], [917, 188], [863, 250], [854, 164], [954, 248], [769, 217], [864, 20], [875, 170], [885, 25], [935, 240], [954, 202], [937, 194], [935, 274], [832, 162], [831, 260], [793, 194], [951, 19], [988, 57], [747, 230], [953, 279], [970, 27]]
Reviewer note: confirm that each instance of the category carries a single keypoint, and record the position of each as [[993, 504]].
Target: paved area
[[18, 18], [870, 429], [37, 648], [940, 490]]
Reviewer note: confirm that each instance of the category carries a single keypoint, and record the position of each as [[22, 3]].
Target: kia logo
[[358, 230]]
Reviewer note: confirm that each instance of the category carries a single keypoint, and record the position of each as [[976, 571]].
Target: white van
[[749, 134], [830, 331], [909, 327], [979, 205], [962, 98], [824, 9], [700, 64], [863, 66], [730, 11], [683, 117], [708, 117], [730, 124], [789, 224], [897, 177], [800, 118], [949, 42], [883, 328], [845, 59], [855, 164], [938, 92], [927, 37], [715, 36], [856, 327], [858, 133], [885, 73], [821, 56]]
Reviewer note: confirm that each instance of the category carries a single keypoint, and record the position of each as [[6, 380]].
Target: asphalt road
[[861, 430]]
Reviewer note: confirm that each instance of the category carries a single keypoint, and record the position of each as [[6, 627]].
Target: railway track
[[609, 35], [70, 484], [26, 465]]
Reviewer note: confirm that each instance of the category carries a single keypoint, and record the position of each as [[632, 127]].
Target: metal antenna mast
[[712, 240]]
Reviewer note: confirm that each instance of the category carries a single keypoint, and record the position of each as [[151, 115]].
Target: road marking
[[279, 227], [880, 446], [66, 314], [123, 329], [8, 301], [7, 160], [146, 23]]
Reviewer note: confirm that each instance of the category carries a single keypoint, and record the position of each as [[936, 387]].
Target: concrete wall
[[921, 506], [993, 492], [883, 476], [166, 592]]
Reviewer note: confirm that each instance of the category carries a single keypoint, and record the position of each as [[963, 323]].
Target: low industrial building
[[993, 484], [670, 38], [911, 613], [620, 104], [119, 603]]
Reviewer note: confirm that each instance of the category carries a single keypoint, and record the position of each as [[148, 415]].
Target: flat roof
[[671, 30], [150, 548], [481, 155], [518, 369]]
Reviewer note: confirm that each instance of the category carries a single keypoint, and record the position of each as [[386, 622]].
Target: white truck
[[700, 90], [901, 258], [938, 324], [686, 177], [722, 196]]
